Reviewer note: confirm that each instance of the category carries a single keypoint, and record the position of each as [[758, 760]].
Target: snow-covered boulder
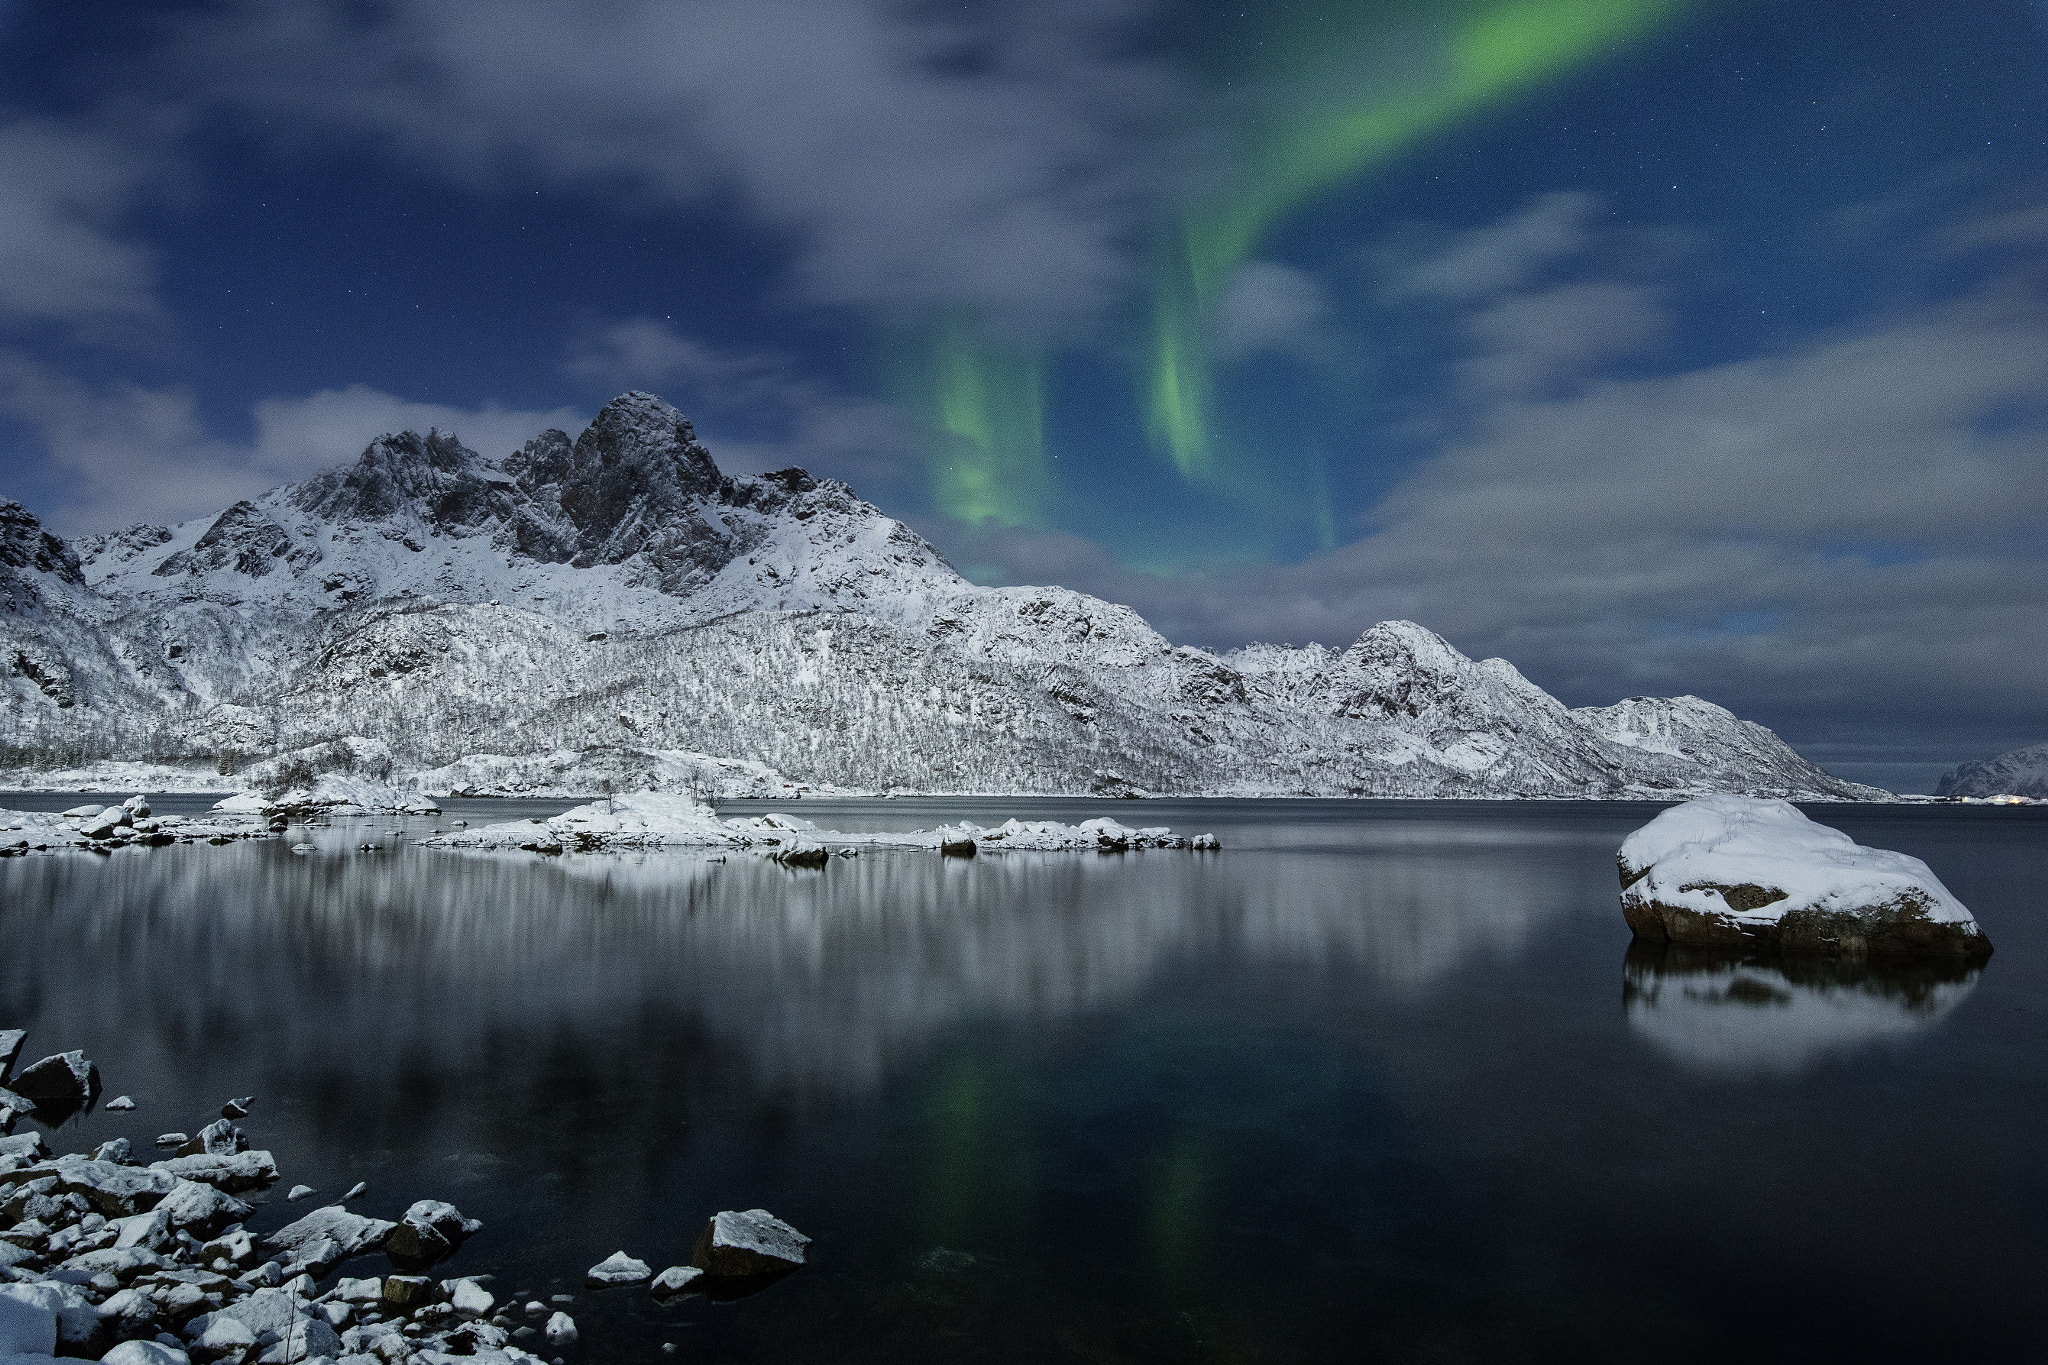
[[1742, 872], [741, 1245], [326, 1237], [245, 803], [618, 1268], [428, 1231]]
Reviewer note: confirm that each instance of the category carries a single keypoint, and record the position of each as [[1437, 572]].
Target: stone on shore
[[67, 1079], [326, 1237], [676, 1279], [617, 1268], [429, 1231], [11, 1040], [144, 1353], [469, 1298], [1743, 872], [561, 1330], [742, 1245], [229, 1171]]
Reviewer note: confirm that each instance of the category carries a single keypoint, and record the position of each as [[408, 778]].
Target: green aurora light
[[1504, 48], [988, 398]]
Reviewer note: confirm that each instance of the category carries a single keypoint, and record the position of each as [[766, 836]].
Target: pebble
[[299, 1192], [120, 1102], [356, 1191]]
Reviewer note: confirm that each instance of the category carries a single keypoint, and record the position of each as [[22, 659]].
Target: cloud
[[1271, 308], [1491, 260], [126, 453], [751, 408], [648, 353], [990, 158], [1525, 341], [63, 190]]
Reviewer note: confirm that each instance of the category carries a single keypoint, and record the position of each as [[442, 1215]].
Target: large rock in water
[[1741, 872], [64, 1081], [741, 1246]]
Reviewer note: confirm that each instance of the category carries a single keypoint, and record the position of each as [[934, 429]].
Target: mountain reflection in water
[[1748, 1014], [806, 982], [1354, 1088]]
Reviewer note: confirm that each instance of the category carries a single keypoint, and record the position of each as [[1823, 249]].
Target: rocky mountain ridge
[[619, 593]]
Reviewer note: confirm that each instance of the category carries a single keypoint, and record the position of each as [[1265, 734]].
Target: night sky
[[1658, 345]]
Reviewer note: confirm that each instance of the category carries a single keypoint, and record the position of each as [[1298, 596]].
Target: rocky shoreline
[[107, 1257]]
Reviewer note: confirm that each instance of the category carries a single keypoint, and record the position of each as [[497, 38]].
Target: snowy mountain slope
[[2020, 772], [618, 592]]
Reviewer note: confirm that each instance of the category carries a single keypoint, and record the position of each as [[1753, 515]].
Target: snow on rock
[[326, 1237], [1102, 834], [742, 1245], [428, 1231], [245, 803], [634, 820], [641, 820], [675, 1280], [25, 832], [2021, 772], [1738, 871], [617, 1268]]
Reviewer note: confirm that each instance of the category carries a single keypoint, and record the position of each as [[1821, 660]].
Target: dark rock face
[[25, 545], [1898, 927], [242, 539], [635, 482], [434, 476]]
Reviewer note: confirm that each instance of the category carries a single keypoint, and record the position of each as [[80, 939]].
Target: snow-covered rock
[[632, 820], [326, 1237], [740, 1245], [617, 1268], [2020, 772], [616, 596], [1737, 871], [245, 803], [428, 1231], [675, 1280]]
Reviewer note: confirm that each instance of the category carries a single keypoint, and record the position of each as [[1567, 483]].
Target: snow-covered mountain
[[2021, 772], [618, 595]]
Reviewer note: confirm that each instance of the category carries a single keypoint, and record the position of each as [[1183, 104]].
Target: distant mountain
[[2022, 772], [618, 593]]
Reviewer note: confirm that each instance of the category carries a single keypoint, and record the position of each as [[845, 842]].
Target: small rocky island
[[1741, 872]]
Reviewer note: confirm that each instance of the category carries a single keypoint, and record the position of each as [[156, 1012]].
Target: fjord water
[[1380, 1080]]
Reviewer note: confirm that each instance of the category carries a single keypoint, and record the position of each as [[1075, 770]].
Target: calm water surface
[[1380, 1081]]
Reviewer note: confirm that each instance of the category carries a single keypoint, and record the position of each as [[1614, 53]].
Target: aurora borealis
[[1659, 345]]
